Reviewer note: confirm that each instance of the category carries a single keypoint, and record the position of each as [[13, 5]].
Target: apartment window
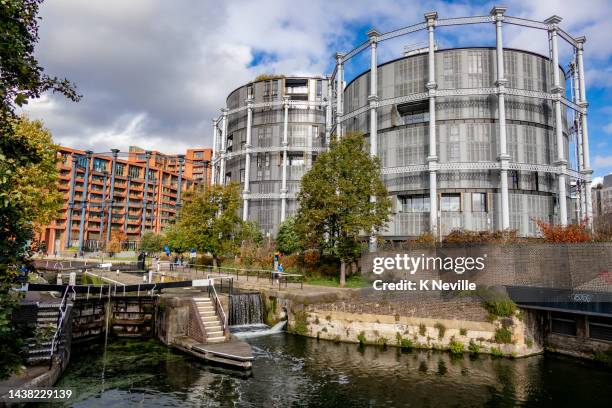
[[250, 91], [134, 172], [100, 165], [528, 71], [81, 161], [315, 131], [450, 202], [479, 202], [242, 175], [198, 155], [479, 143], [530, 145], [319, 88], [415, 203], [296, 159], [513, 179], [119, 167], [512, 142]]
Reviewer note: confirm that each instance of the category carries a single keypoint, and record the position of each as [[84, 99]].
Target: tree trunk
[[342, 274], [214, 259]]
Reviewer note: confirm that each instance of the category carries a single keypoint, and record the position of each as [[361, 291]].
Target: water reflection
[[295, 371]]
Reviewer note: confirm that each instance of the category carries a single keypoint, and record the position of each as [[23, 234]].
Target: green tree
[[335, 206], [209, 221], [151, 242], [251, 232], [288, 240], [21, 78], [175, 239]]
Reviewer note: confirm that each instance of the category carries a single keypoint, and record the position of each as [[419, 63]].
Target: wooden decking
[[234, 353]]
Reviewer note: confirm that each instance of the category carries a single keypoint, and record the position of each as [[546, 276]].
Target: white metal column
[[586, 171], [223, 146], [561, 162], [247, 164], [215, 152], [285, 148], [432, 159], [339, 93], [328, 112], [578, 129], [373, 100], [504, 158]]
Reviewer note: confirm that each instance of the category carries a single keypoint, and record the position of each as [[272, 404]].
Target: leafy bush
[[422, 329], [481, 237], [500, 307], [456, 347], [503, 336], [425, 240], [604, 357], [311, 258], [406, 344], [361, 337], [496, 352], [564, 233], [463, 332], [473, 347]]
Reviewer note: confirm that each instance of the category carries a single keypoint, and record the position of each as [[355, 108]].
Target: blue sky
[[154, 73]]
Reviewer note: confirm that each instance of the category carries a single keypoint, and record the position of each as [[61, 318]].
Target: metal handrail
[[219, 307], [63, 307]]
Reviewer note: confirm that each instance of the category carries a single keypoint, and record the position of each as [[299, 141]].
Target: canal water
[[296, 371]]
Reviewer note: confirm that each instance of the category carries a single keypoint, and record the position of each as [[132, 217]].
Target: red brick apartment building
[[133, 196]]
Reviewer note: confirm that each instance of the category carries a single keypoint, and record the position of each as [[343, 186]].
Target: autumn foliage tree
[[24, 150]]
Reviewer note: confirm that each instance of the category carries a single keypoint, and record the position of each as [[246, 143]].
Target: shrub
[[500, 308], [604, 357], [564, 233], [441, 330], [288, 239], [406, 344], [463, 332], [426, 239], [422, 329], [503, 336], [529, 342], [456, 347], [481, 237], [496, 352], [382, 341], [473, 347], [311, 258], [361, 337]]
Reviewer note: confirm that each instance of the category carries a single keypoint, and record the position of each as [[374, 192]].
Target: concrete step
[[209, 318], [218, 339], [215, 333], [200, 299], [213, 329], [207, 313]]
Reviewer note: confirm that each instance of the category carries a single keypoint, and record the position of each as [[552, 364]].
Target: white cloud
[[155, 73], [602, 161]]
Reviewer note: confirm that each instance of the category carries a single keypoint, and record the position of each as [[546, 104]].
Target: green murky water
[[294, 371]]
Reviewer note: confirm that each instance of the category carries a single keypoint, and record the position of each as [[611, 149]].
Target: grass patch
[[355, 281], [500, 308], [604, 357], [300, 325], [496, 352], [503, 336], [362, 339], [473, 347], [456, 347]]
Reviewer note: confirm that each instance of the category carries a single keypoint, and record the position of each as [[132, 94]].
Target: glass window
[[119, 168], [416, 203], [134, 172], [479, 202], [319, 88], [100, 165], [450, 202]]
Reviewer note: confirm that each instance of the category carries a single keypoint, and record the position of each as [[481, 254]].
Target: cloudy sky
[[154, 73]]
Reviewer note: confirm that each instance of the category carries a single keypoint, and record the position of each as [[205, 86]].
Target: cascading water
[[246, 309]]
